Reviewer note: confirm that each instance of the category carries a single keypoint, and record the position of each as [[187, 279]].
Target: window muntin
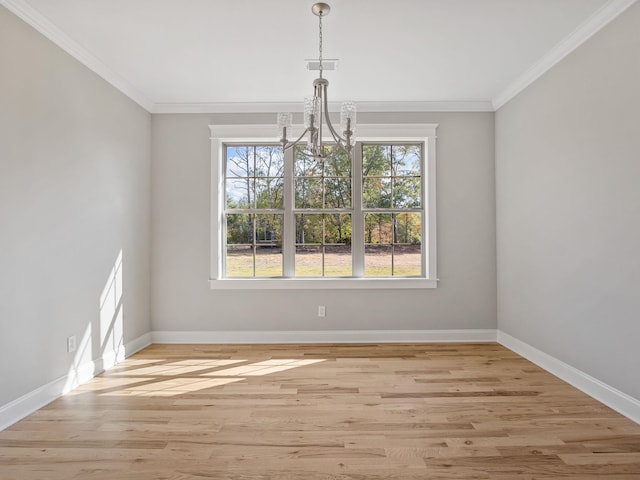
[[393, 134]]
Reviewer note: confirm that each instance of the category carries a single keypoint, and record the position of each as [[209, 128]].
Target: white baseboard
[[330, 336], [21, 407], [137, 344], [18, 409], [617, 400], [29, 403]]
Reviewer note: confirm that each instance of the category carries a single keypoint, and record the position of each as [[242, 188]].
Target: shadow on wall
[[104, 335]]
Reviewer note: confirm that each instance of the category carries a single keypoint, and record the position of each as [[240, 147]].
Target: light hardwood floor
[[350, 412]]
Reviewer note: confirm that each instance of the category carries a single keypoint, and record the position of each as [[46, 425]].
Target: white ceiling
[[246, 51]]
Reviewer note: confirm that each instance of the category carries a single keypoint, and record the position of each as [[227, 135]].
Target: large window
[[281, 219]]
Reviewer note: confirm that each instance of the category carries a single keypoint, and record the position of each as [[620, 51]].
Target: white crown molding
[[258, 132], [47, 28], [617, 400], [594, 23], [597, 21], [363, 107], [27, 404], [327, 336]]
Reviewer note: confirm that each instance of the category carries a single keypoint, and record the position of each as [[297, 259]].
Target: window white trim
[[221, 134]]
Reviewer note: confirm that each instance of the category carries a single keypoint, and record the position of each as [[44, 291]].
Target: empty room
[[297, 240]]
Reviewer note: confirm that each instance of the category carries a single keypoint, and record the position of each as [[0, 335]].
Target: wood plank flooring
[[320, 412]]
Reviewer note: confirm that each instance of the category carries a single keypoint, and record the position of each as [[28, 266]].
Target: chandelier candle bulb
[[348, 120], [284, 124], [311, 111], [284, 120]]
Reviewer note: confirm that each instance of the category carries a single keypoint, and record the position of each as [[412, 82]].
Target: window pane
[[337, 192], [309, 228], [269, 229], [240, 193], [308, 193], [239, 229], [240, 161], [393, 244], [306, 166], [248, 234], [269, 161], [323, 240], [337, 261], [378, 228], [407, 260], [376, 160], [308, 261], [268, 261], [408, 228], [269, 192], [337, 229], [377, 261], [239, 261], [406, 160], [376, 193], [338, 165], [406, 192]]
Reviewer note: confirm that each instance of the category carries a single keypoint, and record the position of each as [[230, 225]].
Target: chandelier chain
[[320, 43]]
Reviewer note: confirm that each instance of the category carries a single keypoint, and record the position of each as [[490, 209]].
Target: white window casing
[[393, 133]]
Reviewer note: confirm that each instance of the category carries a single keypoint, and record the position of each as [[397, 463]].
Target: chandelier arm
[[336, 136], [288, 145], [307, 155], [319, 133]]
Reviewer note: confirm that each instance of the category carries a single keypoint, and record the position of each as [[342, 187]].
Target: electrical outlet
[[321, 311], [71, 343]]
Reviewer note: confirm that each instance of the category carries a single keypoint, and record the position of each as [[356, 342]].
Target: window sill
[[320, 283]]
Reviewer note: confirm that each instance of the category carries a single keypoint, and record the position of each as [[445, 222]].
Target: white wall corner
[[608, 12], [330, 336], [42, 24], [20, 408], [137, 344], [613, 398]]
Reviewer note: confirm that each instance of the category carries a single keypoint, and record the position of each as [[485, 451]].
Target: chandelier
[[316, 112]]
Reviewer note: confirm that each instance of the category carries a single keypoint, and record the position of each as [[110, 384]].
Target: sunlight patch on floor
[[170, 388], [163, 378], [264, 368]]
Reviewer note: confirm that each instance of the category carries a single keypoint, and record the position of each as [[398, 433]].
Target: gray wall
[[183, 301], [568, 208], [74, 192]]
